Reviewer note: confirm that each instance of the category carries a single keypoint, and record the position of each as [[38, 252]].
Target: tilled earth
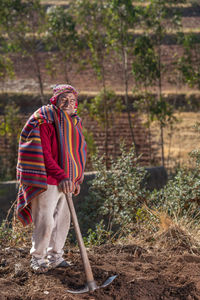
[[142, 274]]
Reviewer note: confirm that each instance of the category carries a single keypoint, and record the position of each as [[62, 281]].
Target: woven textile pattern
[[31, 170]]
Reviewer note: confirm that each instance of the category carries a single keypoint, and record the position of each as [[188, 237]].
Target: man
[[51, 162]]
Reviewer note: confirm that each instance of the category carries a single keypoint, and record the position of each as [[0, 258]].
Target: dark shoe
[[58, 264], [63, 264]]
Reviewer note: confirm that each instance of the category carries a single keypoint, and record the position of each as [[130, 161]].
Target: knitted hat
[[59, 89]]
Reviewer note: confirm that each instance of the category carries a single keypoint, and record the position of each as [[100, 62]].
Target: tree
[[62, 37], [92, 18], [95, 109], [145, 72], [157, 19], [189, 63], [6, 65], [23, 21], [122, 16]]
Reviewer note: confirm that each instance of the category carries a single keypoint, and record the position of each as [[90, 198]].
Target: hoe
[[91, 284]]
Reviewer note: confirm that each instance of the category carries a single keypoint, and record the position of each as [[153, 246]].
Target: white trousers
[[51, 219]]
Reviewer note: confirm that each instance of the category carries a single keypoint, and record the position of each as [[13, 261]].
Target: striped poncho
[[31, 170]]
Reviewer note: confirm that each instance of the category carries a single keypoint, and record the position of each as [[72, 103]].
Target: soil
[[143, 273]]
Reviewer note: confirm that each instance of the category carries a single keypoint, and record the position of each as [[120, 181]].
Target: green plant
[[114, 105], [12, 233], [115, 195], [123, 16], [10, 128], [23, 24], [189, 62], [5, 233], [148, 65], [61, 35], [95, 109], [180, 198], [98, 236]]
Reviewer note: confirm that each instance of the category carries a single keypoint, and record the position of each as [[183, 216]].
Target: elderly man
[[51, 162]]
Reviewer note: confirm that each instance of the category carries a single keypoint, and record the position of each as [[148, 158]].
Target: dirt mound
[[142, 274], [176, 239]]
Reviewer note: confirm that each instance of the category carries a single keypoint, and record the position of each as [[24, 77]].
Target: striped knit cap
[[59, 89]]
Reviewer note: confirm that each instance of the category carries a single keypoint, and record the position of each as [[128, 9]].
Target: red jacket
[[50, 149]]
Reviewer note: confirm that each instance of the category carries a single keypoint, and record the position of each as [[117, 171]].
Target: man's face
[[66, 102]]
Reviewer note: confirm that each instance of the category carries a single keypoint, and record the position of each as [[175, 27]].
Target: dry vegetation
[[180, 139]]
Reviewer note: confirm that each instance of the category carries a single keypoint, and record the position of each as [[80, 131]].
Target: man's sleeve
[[52, 168]]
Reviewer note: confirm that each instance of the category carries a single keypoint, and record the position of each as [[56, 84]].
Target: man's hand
[[66, 186], [77, 190]]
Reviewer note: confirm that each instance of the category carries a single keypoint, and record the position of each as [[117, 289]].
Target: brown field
[[164, 266]]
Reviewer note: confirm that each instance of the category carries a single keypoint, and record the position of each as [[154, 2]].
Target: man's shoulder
[[45, 110]]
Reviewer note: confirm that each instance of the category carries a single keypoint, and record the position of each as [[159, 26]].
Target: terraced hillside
[[85, 81]]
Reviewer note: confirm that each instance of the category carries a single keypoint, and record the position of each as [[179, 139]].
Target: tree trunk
[[114, 135], [106, 115], [162, 145], [39, 77], [149, 124], [160, 98], [170, 144], [6, 146], [150, 142], [125, 67]]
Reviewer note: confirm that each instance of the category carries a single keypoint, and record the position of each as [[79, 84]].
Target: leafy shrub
[[115, 195], [120, 204], [181, 196]]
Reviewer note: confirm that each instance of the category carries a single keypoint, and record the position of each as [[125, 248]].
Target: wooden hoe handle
[[84, 256]]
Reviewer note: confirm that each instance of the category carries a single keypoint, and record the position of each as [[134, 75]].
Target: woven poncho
[[31, 170]]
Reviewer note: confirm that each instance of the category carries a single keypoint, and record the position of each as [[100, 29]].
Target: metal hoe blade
[[93, 287]]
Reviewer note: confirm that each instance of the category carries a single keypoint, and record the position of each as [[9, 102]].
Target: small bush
[[98, 236], [5, 234], [181, 196], [115, 195]]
